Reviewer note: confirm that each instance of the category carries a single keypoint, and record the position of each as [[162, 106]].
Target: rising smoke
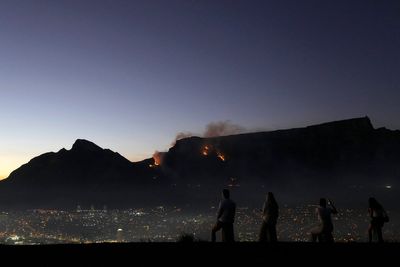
[[181, 135], [213, 129], [222, 128]]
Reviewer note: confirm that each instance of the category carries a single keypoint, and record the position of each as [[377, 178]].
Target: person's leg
[[229, 233], [329, 237], [325, 237], [214, 230], [269, 232], [315, 233], [328, 233], [263, 232], [314, 237], [272, 234], [379, 233], [370, 228]]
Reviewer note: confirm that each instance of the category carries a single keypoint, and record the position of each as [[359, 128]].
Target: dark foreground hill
[[203, 254], [348, 160]]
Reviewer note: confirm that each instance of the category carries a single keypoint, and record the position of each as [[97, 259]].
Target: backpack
[[385, 217]]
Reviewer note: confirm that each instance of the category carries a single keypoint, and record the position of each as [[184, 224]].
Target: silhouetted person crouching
[[225, 218], [378, 218], [270, 213], [323, 232]]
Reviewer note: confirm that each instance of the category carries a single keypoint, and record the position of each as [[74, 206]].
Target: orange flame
[[157, 157], [221, 156], [206, 150]]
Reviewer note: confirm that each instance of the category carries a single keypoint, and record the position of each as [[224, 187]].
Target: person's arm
[[277, 211], [220, 210], [384, 213], [263, 209], [334, 210]]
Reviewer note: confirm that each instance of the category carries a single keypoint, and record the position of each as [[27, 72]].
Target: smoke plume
[[213, 129], [181, 135], [221, 128]]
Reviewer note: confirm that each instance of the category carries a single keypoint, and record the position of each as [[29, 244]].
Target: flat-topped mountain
[[344, 159]]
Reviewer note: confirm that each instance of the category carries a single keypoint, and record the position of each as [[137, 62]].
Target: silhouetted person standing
[[323, 232], [270, 213], [225, 218], [378, 217]]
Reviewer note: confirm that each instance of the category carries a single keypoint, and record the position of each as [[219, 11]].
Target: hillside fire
[[221, 156], [206, 150], [157, 157]]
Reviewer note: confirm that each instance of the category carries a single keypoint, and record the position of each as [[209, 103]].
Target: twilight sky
[[129, 75]]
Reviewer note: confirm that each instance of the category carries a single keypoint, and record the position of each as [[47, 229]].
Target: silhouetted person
[[323, 232], [270, 213], [225, 218], [378, 215]]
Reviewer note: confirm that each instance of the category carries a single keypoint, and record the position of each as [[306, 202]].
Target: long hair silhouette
[[271, 201]]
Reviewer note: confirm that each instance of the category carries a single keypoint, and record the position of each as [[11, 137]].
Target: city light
[[165, 224]]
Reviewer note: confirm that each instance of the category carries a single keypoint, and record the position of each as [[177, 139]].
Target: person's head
[[226, 193], [373, 203], [271, 199], [322, 202], [270, 196]]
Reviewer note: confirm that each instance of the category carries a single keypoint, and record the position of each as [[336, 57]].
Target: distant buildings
[[165, 224], [120, 235]]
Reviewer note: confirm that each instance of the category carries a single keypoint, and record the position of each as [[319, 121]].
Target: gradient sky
[[129, 75]]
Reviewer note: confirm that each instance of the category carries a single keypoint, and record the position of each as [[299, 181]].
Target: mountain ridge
[[337, 156]]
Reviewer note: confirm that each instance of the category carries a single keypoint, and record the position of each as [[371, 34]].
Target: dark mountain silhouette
[[85, 175], [342, 159], [347, 160]]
